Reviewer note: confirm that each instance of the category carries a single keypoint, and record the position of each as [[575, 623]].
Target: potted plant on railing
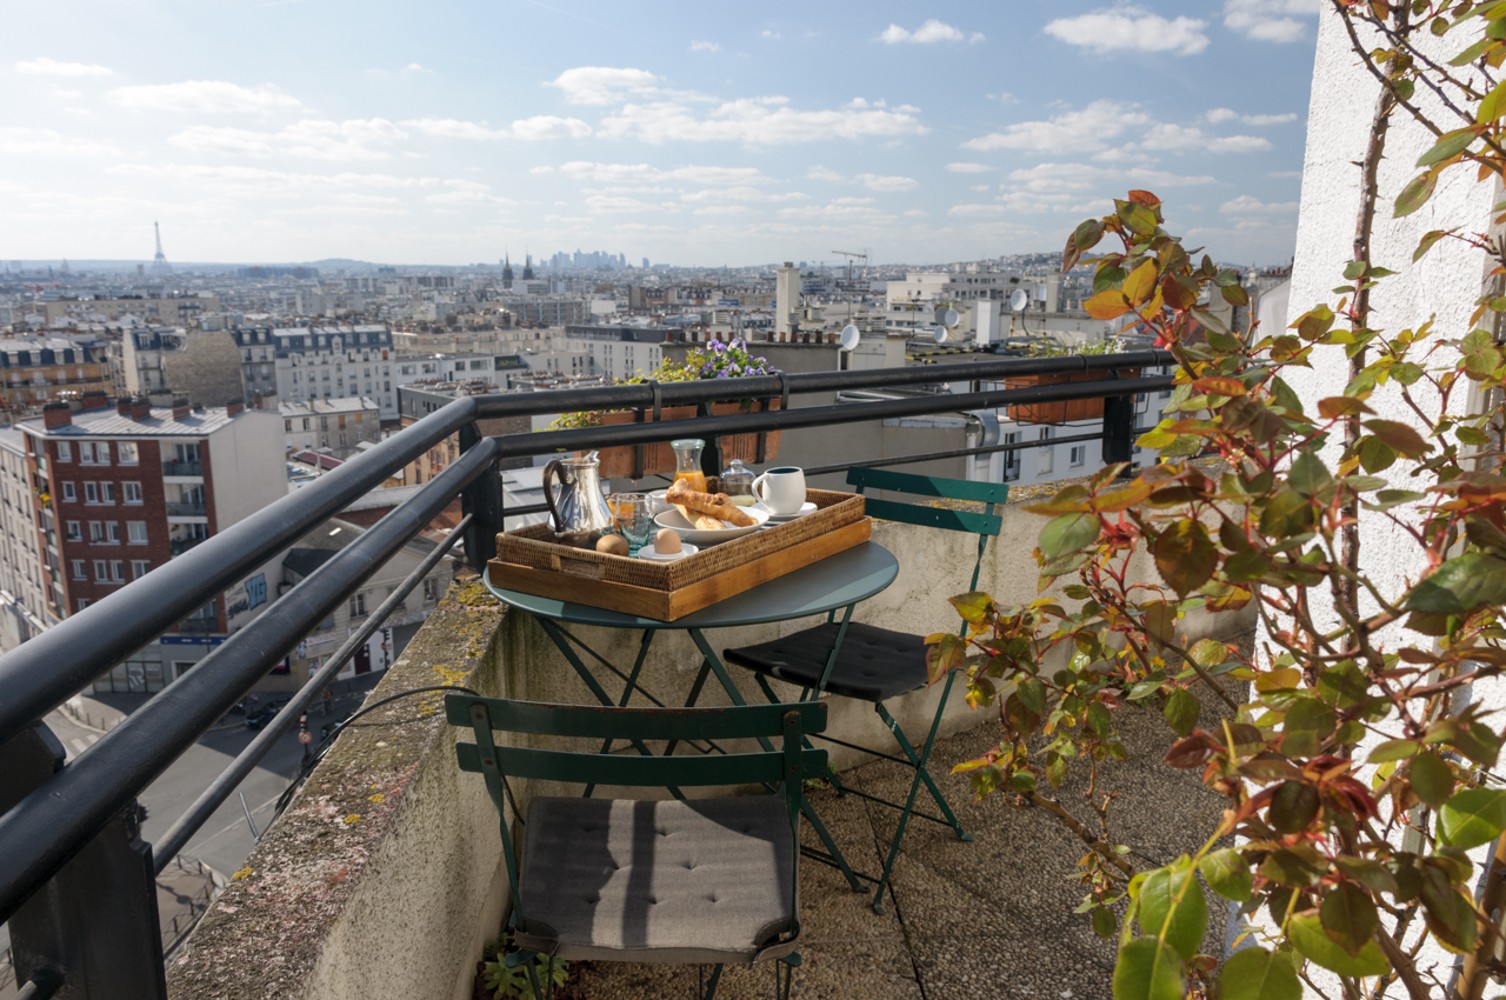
[[1071, 409], [715, 360]]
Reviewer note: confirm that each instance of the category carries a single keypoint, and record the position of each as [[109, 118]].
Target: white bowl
[[647, 552], [672, 518]]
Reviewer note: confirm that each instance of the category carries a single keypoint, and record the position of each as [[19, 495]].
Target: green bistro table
[[837, 582]]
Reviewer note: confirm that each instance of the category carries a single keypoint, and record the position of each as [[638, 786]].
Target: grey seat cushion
[[875, 664], [703, 881]]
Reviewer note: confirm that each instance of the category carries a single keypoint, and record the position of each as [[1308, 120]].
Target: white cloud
[[639, 174], [873, 182], [1269, 20], [931, 32], [1248, 205], [416, 69], [604, 84], [770, 34], [761, 121], [48, 142], [42, 66], [315, 139], [203, 97], [1218, 116], [537, 128], [1167, 136], [968, 168], [1131, 29], [697, 46], [1083, 131]]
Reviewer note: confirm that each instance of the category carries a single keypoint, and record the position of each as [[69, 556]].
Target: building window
[[73, 532], [136, 532], [140, 568], [112, 533], [91, 492], [86, 452], [130, 492], [79, 570], [117, 571], [101, 571], [96, 532], [106, 492], [1078, 455], [431, 590], [358, 606], [83, 602], [65, 451], [70, 494], [126, 453]]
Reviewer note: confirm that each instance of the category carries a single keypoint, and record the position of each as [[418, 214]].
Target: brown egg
[[666, 541], [612, 545]]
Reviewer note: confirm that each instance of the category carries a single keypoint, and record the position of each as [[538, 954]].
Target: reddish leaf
[[1107, 304], [1185, 556]]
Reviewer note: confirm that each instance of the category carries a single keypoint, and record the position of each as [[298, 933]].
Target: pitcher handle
[[546, 481]]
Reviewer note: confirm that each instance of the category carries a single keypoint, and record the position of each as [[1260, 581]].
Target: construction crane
[[851, 255]]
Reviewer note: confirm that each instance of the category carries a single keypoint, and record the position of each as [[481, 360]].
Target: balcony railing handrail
[[45, 828]]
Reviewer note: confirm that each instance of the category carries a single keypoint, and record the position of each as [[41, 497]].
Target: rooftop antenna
[[159, 262]]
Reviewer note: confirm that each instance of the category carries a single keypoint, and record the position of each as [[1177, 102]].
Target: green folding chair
[[855, 660], [693, 882]]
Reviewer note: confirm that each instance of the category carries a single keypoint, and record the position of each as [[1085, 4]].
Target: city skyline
[[296, 130]]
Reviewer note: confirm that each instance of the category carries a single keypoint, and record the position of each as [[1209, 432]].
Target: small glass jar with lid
[[737, 483]]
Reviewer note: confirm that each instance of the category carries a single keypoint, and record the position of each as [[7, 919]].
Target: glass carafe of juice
[[688, 463]]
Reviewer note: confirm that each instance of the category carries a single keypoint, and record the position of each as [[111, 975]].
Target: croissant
[[694, 504]]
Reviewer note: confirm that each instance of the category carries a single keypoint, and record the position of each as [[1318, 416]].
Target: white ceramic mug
[[781, 490]]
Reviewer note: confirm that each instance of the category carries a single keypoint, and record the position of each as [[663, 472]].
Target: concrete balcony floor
[[988, 919]]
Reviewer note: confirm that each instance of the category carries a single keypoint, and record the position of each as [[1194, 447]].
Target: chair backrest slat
[[631, 769], [598, 722], [972, 522], [932, 486]]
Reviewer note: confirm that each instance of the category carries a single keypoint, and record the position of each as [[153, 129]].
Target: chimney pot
[[57, 414], [234, 407], [141, 407], [123, 406], [180, 407]]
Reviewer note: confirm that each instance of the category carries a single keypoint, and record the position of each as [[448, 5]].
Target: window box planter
[[1062, 412], [625, 461]]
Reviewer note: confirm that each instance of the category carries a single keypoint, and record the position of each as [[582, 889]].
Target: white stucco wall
[[1442, 287]]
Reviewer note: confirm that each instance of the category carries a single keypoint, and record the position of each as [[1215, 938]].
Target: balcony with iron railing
[[383, 877], [187, 508], [188, 469]]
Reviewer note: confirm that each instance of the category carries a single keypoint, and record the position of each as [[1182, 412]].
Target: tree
[[1356, 781]]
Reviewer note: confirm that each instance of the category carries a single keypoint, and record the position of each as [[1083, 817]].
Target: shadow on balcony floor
[[987, 920]]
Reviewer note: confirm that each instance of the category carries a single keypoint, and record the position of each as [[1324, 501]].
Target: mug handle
[[756, 484]]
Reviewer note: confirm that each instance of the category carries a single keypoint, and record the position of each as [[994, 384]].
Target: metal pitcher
[[579, 511]]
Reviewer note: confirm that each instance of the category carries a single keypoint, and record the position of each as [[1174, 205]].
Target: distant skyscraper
[[159, 262]]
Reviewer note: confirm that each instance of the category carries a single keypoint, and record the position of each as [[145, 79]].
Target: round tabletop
[[849, 576]]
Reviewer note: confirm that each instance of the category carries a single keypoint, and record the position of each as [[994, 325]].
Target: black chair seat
[[875, 665]]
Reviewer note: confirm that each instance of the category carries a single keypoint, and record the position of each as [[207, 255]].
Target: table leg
[[714, 662], [627, 694]]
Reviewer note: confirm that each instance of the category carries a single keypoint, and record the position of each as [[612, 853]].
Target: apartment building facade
[[300, 364], [336, 426], [119, 490], [35, 372]]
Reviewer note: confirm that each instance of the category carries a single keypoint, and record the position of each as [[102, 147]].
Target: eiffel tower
[[159, 262]]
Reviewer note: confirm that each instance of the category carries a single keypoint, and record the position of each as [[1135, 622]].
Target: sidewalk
[[102, 711]]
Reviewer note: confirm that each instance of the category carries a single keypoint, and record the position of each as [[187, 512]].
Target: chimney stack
[[123, 405], [95, 399], [234, 407], [57, 414], [141, 408], [180, 407]]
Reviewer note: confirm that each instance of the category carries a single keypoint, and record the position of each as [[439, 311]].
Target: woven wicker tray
[[530, 561]]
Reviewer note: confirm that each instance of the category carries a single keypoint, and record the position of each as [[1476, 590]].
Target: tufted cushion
[[875, 663], [703, 881]]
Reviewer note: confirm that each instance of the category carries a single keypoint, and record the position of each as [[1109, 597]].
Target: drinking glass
[[634, 519]]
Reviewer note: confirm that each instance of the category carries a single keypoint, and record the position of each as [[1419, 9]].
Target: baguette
[[703, 522], [714, 505]]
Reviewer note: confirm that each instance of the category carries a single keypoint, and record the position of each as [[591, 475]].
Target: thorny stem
[[1071, 822]]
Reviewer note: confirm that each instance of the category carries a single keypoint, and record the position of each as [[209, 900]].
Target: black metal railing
[[69, 830], [183, 469]]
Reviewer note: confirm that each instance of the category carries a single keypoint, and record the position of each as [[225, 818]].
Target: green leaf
[[1147, 969], [1257, 974], [1308, 475], [1104, 924], [1181, 711], [1308, 722], [1472, 817], [1228, 874], [974, 607], [1110, 304], [1349, 917], [1067, 534], [1393, 750], [1399, 436], [1181, 922], [1427, 242], [1449, 144], [1415, 194], [1371, 874], [1460, 585], [1293, 807], [1306, 934], [1185, 555], [1432, 779]]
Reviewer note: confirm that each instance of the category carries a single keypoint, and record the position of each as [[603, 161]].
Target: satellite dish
[[939, 335], [947, 317], [1019, 300], [849, 337]]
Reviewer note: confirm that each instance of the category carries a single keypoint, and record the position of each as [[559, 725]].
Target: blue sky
[[455, 131]]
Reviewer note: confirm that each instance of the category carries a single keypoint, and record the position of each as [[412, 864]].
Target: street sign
[[305, 737]]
